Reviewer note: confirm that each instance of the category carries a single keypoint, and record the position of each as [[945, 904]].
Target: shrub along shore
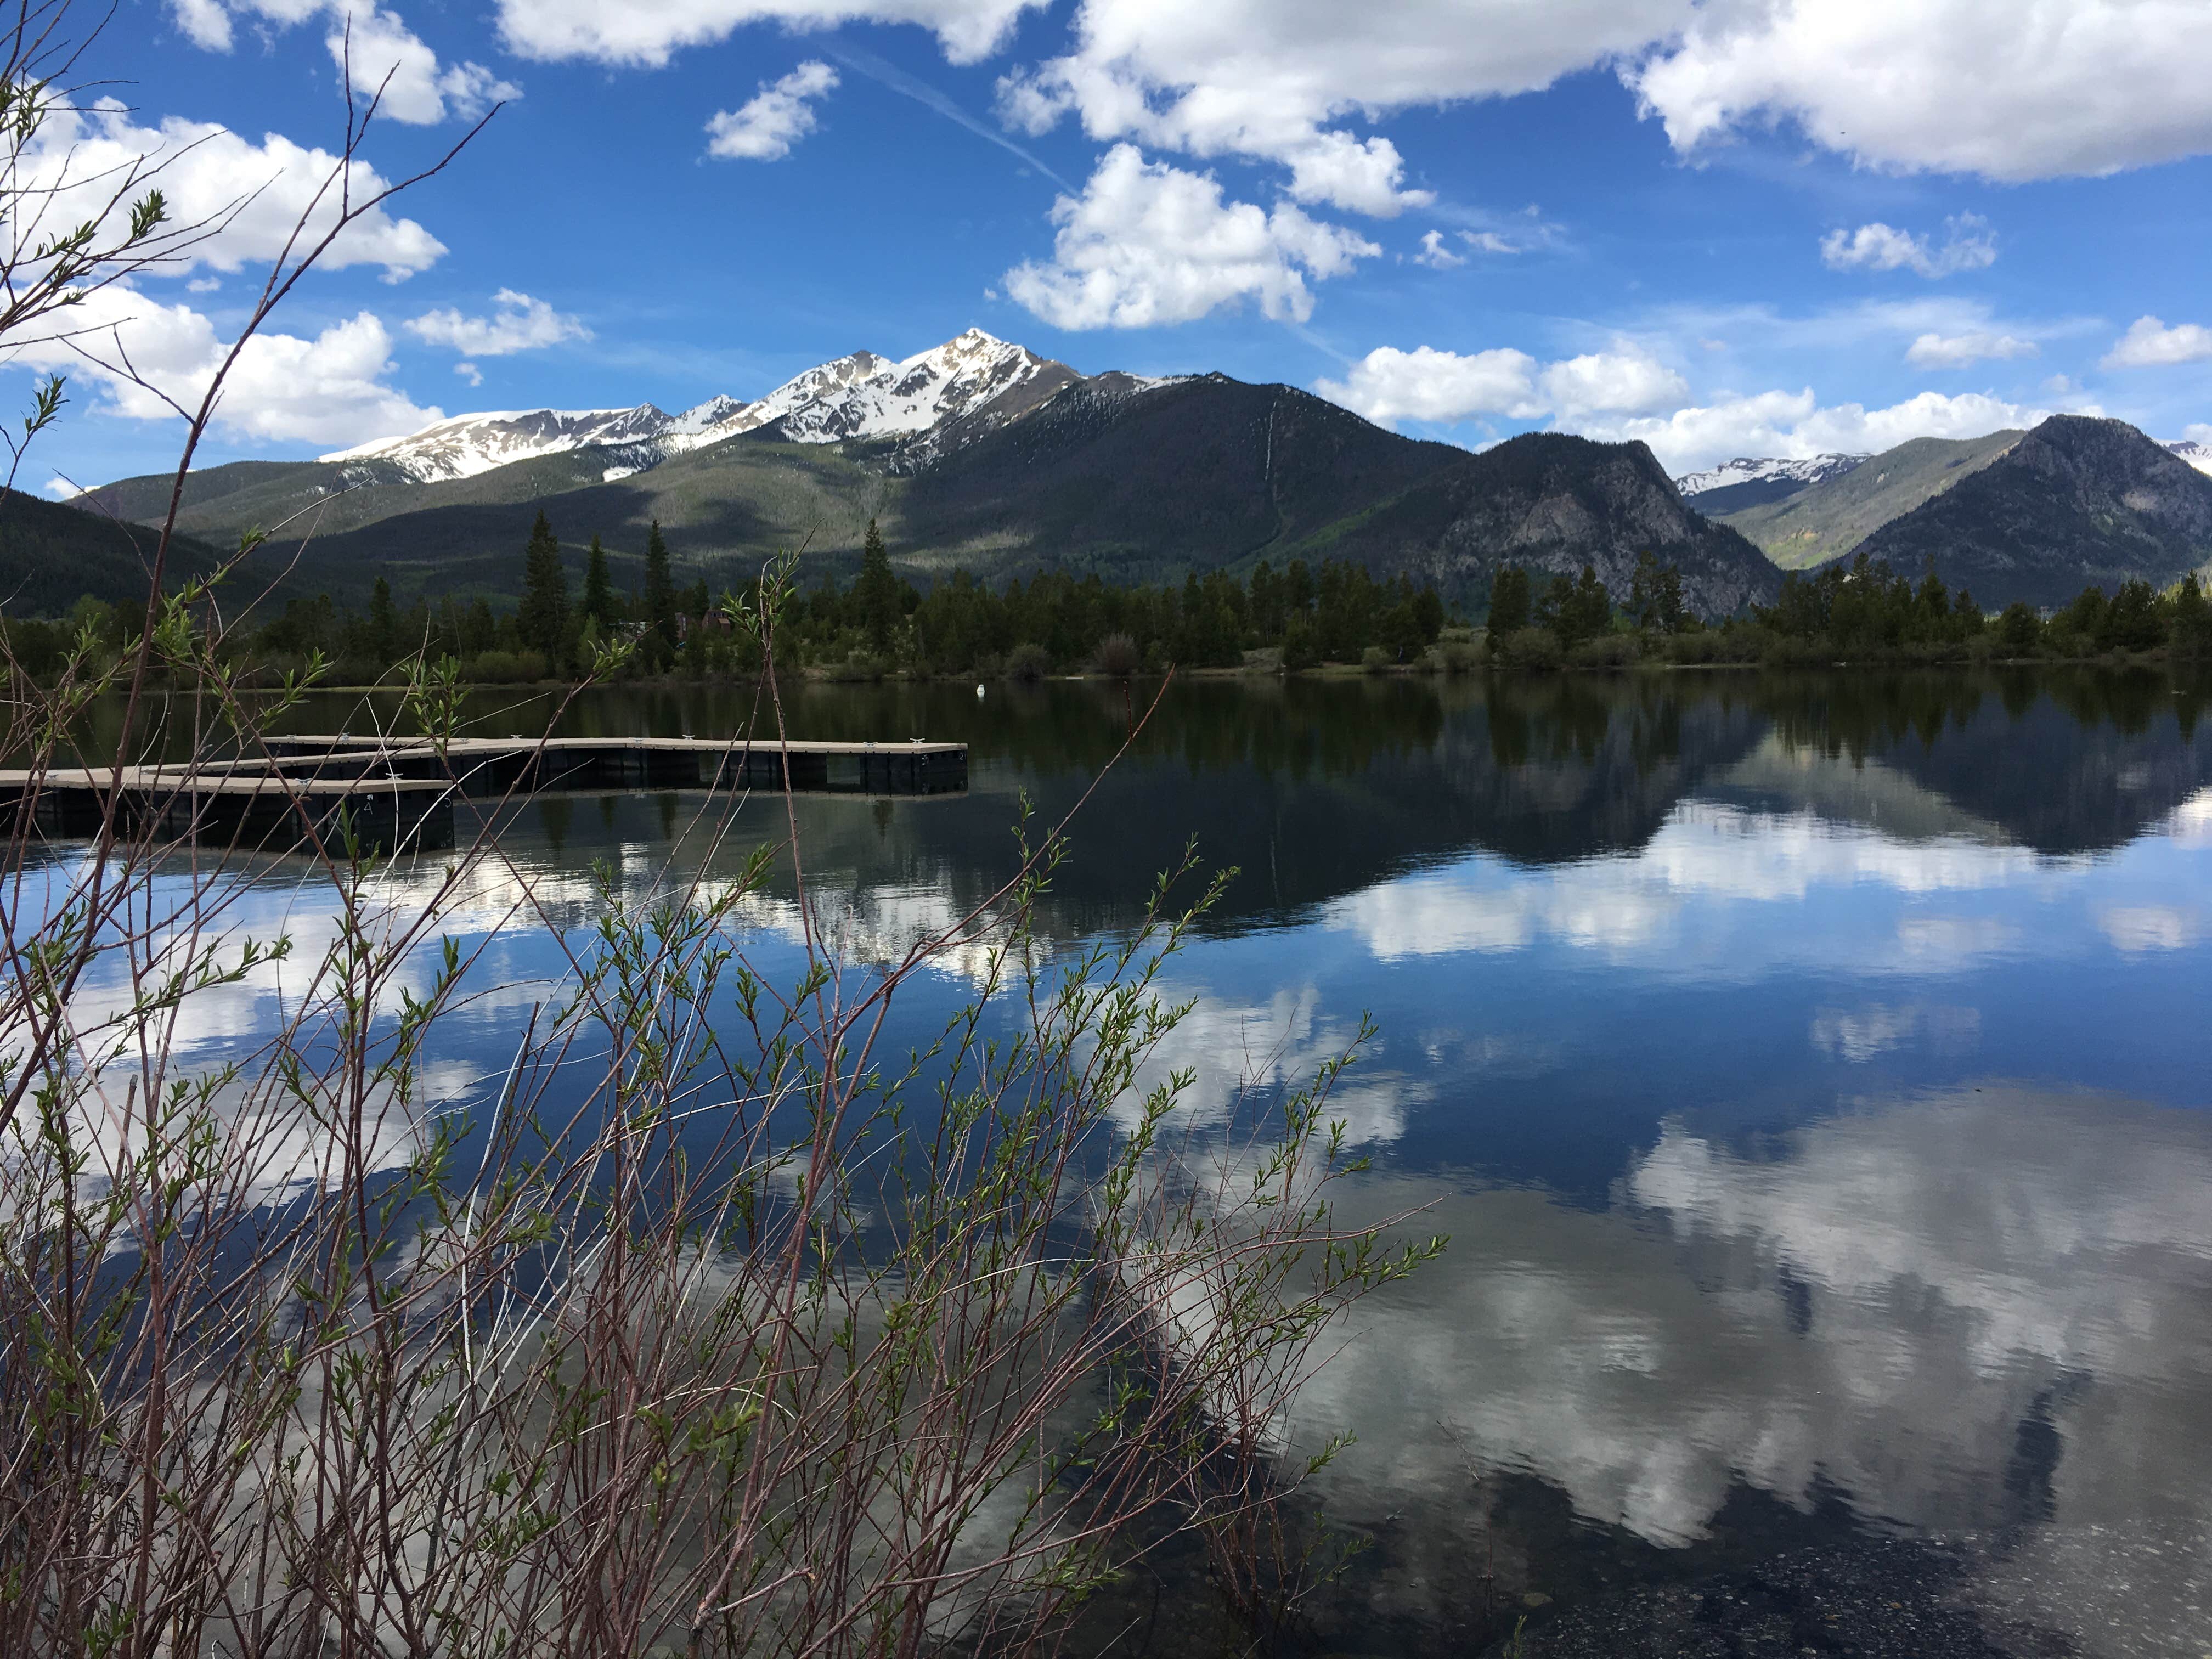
[[1335, 617]]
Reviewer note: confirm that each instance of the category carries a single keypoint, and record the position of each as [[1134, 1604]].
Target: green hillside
[[1200, 475], [52, 555], [736, 501], [1829, 519]]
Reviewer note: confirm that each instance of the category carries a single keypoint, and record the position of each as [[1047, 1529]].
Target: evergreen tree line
[[1867, 610], [1861, 610], [877, 623], [548, 635], [1337, 612], [1576, 617]]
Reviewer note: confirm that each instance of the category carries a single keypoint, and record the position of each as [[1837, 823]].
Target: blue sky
[[1724, 227]]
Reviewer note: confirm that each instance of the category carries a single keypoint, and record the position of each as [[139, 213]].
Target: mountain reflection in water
[[1810, 1071]]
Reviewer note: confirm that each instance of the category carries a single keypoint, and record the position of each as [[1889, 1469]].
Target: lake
[[1811, 1074]]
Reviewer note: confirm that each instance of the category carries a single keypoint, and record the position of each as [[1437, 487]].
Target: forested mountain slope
[[2075, 501]]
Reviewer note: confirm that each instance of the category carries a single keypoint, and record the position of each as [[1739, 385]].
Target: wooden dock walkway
[[493, 765], [389, 792]]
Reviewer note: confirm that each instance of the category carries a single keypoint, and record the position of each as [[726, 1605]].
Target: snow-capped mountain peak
[[974, 379], [824, 384], [1746, 469], [2198, 455], [947, 383], [701, 416]]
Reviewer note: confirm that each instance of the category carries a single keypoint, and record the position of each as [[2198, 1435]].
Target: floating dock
[[387, 791], [493, 765], [249, 805]]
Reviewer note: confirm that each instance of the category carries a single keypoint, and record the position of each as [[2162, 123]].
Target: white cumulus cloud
[[1148, 244], [648, 35], [767, 126], [1968, 246], [2149, 343], [1625, 381], [375, 46], [255, 193], [333, 389], [1794, 423], [1336, 169], [2016, 90], [1959, 351], [2031, 88], [1271, 82], [205, 23], [517, 323], [2013, 90], [1629, 392], [1389, 385]]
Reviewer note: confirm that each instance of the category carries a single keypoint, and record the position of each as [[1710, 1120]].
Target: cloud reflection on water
[[1662, 905], [1877, 1306], [1858, 1035]]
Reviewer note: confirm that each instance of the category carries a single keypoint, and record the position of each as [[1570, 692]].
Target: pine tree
[[543, 620], [659, 598], [2192, 619], [876, 594], [383, 622], [1509, 601], [1655, 595], [598, 588], [1554, 608], [1671, 612], [2020, 630], [1587, 611], [479, 629]]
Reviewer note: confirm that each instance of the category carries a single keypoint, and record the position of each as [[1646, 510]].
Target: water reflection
[[1810, 1070], [1964, 1310], [1317, 790]]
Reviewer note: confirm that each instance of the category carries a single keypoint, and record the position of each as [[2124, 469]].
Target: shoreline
[[2113, 662]]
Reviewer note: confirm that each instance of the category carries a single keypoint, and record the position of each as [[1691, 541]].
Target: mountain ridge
[[975, 378], [1553, 502], [1831, 519], [2077, 500], [988, 461], [979, 454]]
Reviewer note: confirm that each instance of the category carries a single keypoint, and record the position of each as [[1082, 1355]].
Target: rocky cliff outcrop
[[1552, 503]]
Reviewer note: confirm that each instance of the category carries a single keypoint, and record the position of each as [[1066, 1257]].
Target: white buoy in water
[[979, 692]]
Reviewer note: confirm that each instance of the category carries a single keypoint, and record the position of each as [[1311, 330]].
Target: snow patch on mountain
[[2198, 455], [975, 382], [828, 385], [469, 444], [1745, 469]]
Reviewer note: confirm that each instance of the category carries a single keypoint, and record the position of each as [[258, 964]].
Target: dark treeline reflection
[[1316, 789]]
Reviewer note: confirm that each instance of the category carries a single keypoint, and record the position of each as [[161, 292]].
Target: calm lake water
[[1812, 1075]]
